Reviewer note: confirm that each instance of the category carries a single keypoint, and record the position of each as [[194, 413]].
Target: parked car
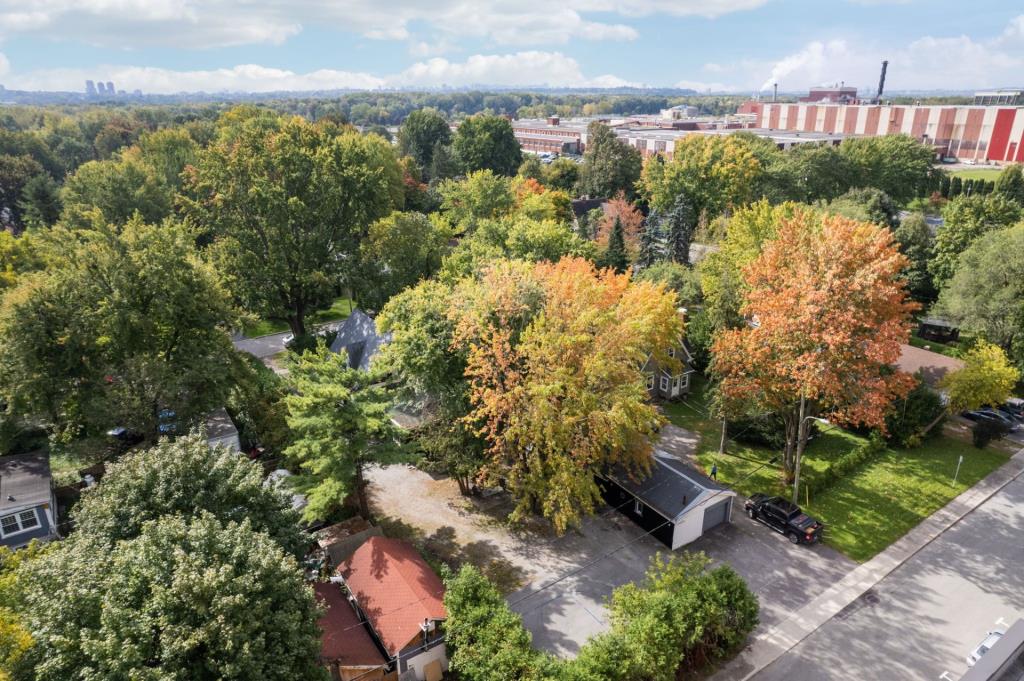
[[784, 517], [990, 640], [1015, 406], [989, 414]]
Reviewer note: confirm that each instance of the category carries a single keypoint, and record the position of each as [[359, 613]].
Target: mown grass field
[[976, 173], [866, 511]]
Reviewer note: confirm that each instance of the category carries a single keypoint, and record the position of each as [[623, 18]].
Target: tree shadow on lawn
[[442, 548]]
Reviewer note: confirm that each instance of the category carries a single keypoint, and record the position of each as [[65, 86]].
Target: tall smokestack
[[881, 82], [775, 93]]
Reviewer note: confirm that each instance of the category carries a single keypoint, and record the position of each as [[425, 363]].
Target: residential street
[[269, 345], [920, 621]]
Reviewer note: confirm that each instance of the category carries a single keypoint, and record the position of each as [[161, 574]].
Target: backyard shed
[[674, 502]]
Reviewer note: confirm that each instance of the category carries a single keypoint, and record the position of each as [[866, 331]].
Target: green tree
[[186, 477], [986, 379], [481, 195], [119, 188], [899, 165], [867, 205], [956, 187], [811, 172], [486, 640], [168, 152], [399, 251], [422, 131], [16, 172], [683, 280], [562, 174], [610, 165], [443, 164], [339, 417], [681, 224], [287, 205], [713, 172], [189, 599], [985, 297], [124, 324], [915, 239], [651, 248], [965, 219], [40, 203], [531, 168], [484, 142], [1010, 183], [615, 255]]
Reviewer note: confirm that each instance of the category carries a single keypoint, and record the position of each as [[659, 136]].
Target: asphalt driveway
[[562, 617]]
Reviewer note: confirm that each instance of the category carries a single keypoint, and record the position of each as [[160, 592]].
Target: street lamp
[[800, 439]]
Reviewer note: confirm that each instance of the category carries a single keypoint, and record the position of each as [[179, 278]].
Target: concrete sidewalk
[[767, 647]]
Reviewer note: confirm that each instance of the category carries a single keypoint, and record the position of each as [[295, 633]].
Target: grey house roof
[[220, 425], [358, 336], [672, 488], [24, 481]]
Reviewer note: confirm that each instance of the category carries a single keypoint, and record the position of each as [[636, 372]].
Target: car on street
[[990, 640], [784, 517], [992, 415], [1015, 406]]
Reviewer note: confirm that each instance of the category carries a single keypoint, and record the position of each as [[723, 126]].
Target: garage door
[[715, 515]]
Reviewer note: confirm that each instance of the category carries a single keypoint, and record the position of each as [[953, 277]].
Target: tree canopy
[[554, 352], [186, 477], [828, 314], [986, 379], [421, 132], [286, 204], [610, 165], [486, 142]]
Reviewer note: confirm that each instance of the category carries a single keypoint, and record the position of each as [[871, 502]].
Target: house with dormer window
[[664, 383]]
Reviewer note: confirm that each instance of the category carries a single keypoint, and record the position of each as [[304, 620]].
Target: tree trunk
[[297, 320], [788, 458], [721, 442], [364, 505], [801, 441]]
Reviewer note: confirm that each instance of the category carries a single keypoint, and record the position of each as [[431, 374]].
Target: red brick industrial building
[[968, 133]]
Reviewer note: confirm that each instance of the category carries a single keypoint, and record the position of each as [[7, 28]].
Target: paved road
[[268, 346], [920, 621]]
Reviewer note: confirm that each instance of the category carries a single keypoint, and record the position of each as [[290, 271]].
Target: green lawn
[[339, 309], [977, 173], [865, 512]]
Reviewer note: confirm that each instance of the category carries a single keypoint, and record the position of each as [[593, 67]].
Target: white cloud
[[217, 23], [529, 68], [703, 86]]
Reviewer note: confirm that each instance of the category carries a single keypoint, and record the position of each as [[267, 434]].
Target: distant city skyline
[[719, 45]]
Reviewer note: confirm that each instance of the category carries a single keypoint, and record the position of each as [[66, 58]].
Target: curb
[[769, 646]]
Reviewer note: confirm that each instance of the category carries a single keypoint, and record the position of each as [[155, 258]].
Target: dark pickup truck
[[785, 518]]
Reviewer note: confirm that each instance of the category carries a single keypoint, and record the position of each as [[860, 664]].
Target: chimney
[[553, 120], [775, 93], [881, 81]]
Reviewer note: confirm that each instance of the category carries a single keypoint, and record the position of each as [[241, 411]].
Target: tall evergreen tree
[[956, 187], [40, 202], [615, 257], [650, 242], [681, 224]]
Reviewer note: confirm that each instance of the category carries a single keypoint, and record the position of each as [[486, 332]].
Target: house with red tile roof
[[401, 599], [346, 647]]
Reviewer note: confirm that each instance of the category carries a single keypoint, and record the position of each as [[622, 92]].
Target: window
[[18, 522], [638, 507], [664, 384], [650, 381]]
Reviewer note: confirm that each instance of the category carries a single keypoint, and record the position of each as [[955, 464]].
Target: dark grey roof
[[672, 488], [219, 424], [1005, 661], [358, 336], [24, 480], [581, 207]]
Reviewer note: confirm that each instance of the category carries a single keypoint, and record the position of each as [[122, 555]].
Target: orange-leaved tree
[[554, 358], [827, 313]]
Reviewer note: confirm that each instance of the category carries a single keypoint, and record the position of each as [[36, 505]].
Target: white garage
[[675, 502]]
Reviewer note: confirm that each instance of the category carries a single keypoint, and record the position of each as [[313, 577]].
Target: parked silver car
[[990, 640]]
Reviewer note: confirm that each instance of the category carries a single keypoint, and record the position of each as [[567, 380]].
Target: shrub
[[985, 432], [847, 463], [905, 425]]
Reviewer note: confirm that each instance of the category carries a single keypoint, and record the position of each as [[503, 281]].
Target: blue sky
[[735, 45]]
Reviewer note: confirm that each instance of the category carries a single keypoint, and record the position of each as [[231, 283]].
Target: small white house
[[675, 503]]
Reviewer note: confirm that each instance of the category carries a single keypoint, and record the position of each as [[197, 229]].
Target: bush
[[985, 432], [905, 425], [847, 463]]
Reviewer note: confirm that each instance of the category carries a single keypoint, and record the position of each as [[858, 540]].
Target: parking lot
[[608, 551]]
